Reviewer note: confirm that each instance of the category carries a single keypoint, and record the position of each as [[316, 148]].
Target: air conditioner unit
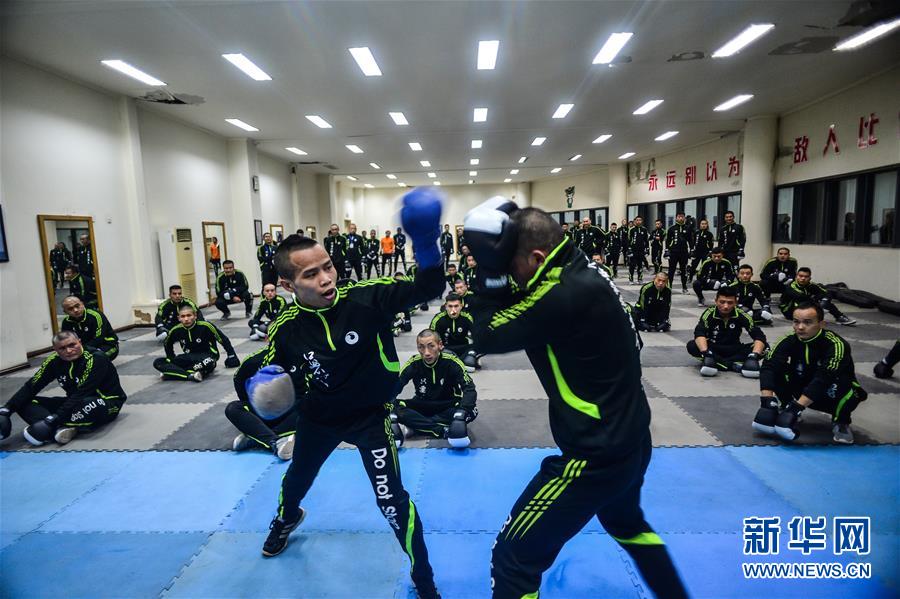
[[176, 259]]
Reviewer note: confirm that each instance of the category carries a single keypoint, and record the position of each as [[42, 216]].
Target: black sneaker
[[278, 537], [396, 430]]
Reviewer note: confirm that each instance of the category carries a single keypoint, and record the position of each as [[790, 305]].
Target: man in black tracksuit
[[657, 243], [454, 328], [678, 247], [336, 246], [599, 415], [717, 339], [231, 288], [613, 249], [167, 313], [444, 400], [355, 253], [452, 277], [732, 238], [638, 248], [778, 272], [399, 248], [91, 326], [93, 398], [83, 255], [82, 286], [803, 290], [651, 312], [371, 247], [199, 342], [588, 238], [749, 293], [337, 346], [446, 243], [270, 306], [265, 255], [60, 258], [703, 244], [714, 272], [810, 368]]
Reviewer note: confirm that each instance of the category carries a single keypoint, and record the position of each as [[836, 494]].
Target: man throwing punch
[[599, 413]]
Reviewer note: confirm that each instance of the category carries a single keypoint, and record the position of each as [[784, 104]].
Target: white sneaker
[[284, 448], [242, 442], [64, 435], [254, 336], [196, 376]]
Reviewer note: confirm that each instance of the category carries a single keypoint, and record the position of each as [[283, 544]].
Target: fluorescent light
[[729, 104], [602, 138], [471, 181], [352, 178], [523, 159], [354, 148], [476, 144], [242, 124], [538, 141], [318, 121], [375, 166], [613, 45], [743, 39], [626, 155], [368, 185], [487, 54], [390, 176], [473, 173], [431, 175], [647, 107], [437, 182], [425, 163], [246, 65], [479, 115], [127, 69], [553, 171], [399, 118], [507, 180], [867, 35], [365, 60], [575, 157], [667, 135], [473, 161], [562, 111], [514, 171], [296, 151], [415, 146], [401, 184]]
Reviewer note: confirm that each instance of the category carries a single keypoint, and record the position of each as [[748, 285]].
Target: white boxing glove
[[781, 277], [788, 281], [227, 295], [717, 284], [162, 336], [766, 315]]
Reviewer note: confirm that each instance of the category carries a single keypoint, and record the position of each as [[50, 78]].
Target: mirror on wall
[[311, 232], [277, 232], [70, 262], [215, 247]]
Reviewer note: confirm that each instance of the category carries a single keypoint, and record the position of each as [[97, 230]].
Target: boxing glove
[[227, 295], [741, 253], [492, 239], [788, 282], [781, 277], [420, 215], [786, 423], [717, 284], [709, 368], [883, 371], [232, 361], [750, 368], [666, 254], [5, 423], [41, 431], [161, 335], [765, 418], [766, 314], [270, 392]]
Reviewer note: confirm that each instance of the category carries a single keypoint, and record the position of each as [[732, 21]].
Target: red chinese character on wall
[[690, 175], [711, 172], [734, 166], [831, 141], [800, 146], [867, 131], [654, 182], [670, 179]]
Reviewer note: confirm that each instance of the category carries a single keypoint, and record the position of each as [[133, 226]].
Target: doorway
[[215, 247]]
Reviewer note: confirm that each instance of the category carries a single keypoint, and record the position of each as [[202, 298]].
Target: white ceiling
[[427, 52]]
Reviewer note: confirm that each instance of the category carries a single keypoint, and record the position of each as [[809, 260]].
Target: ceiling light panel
[[401, 184], [555, 170], [415, 146], [368, 185], [354, 148], [399, 118], [241, 124], [514, 171], [473, 173], [575, 157], [487, 54], [647, 107], [626, 155], [474, 161], [296, 151], [735, 101], [666, 135], [743, 39], [375, 166], [612, 47], [471, 181], [538, 141], [523, 159], [134, 73], [437, 183], [562, 111], [432, 175], [352, 178], [390, 176], [479, 115], [867, 35], [602, 138], [318, 121], [425, 163], [476, 144], [246, 65], [365, 60]]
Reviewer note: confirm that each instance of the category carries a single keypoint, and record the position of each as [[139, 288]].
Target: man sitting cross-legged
[[717, 339], [198, 340]]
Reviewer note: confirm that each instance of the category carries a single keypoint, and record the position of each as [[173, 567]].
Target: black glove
[[232, 361], [42, 431], [492, 239], [666, 254], [5, 423], [765, 418], [750, 368], [786, 423], [709, 367]]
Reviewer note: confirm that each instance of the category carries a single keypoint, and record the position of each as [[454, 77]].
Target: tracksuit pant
[[88, 414], [353, 265], [423, 418], [225, 305], [725, 355], [264, 432], [656, 253], [842, 397], [387, 262], [372, 263], [400, 256], [678, 260], [612, 260], [185, 365]]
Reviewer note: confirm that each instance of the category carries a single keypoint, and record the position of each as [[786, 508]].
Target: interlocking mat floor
[[157, 504]]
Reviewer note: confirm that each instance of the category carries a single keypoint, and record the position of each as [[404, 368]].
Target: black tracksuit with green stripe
[[440, 389], [93, 398], [94, 331], [821, 369], [599, 417], [723, 336], [199, 345], [344, 366], [455, 333]]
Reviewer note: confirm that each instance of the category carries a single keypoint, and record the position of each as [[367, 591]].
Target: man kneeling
[[198, 339], [811, 368], [93, 398], [445, 394], [717, 339]]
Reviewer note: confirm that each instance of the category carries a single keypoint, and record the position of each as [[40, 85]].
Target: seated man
[[470, 271], [714, 272], [452, 276], [198, 340], [885, 368], [778, 272], [91, 326], [454, 327], [651, 312], [597, 258], [269, 308], [810, 368], [272, 434], [167, 314], [461, 288], [749, 293], [803, 290], [93, 398], [717, 339], [445, 394], [232, 288], [81, 286]]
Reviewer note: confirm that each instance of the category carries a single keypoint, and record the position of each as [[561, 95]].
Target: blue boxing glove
[[420, 215], [492, 238], [270, 392]]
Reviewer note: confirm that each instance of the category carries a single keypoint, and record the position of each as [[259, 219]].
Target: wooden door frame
[[223, 252]]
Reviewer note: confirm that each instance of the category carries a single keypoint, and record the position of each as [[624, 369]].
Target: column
[[245, 208], [758, 184], [618, 184]]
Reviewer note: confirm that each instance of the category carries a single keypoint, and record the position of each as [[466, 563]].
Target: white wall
[[591, 191], [275, 194]]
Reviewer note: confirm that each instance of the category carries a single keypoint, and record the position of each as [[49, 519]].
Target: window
[[842, 212], [669, 214], [882, 223], [710, 212], [632, 211], [694, 209], [733, 203], [598, 216], [784, 216], [690, 208]]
